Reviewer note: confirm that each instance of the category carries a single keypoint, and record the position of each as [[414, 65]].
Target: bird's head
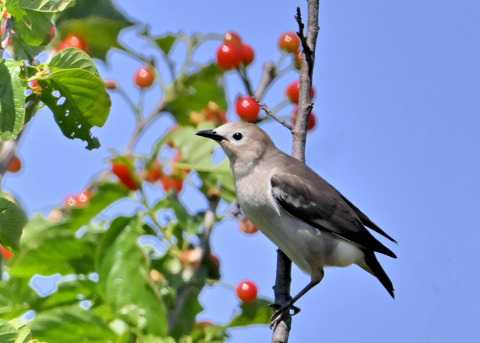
[[242, 142]]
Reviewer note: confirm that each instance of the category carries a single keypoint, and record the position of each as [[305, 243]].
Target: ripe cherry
[[289, 42], [170, 182], [79, 200], [293, 91], [15, 165], [232, 38], [7, 254], [144, 77], [125, 176], [72, 41], [229, 56], [248, 54], [36, 88], [247, 291], [154, 172], [3, 32], [247, 108], [247, 227], [311, 121]]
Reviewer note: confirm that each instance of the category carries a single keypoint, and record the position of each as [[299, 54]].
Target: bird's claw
[[280, 311]]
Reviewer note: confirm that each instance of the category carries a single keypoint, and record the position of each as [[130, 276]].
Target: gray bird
[[306, 217]]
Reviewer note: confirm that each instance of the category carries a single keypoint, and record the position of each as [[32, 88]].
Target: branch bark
[[305, 105]]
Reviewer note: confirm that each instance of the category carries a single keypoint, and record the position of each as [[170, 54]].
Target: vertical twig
[[305, 105]]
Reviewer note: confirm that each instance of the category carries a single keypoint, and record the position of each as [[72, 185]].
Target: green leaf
[[86, 104], [73, 59], [165, 43], [39, 5], [254, 313], [23, 331], [197, 155], [49, 248], [12, 221], [99, 31], [8, 333], [193, 92], [71, 324], [12, 99], [125, 281]]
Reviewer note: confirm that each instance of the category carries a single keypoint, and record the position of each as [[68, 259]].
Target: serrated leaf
[[85, 92], [12, 99], [39, 5], [32, 29], [86, 104], [71, 324], [124, 277], [193, 92], [12, 221], [49, 248], [23, 331], [8, 333], [73, 59], [257, 312]]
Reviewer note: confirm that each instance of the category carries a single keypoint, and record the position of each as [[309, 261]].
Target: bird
[[308, 219]]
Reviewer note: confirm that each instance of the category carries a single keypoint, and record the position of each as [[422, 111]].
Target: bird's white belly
[[308, 247]]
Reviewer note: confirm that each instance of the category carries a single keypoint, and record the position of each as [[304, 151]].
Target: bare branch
[[274, 116], [268, 75], [305, 105]]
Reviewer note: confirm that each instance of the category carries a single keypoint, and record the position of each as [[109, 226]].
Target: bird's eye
[[237, 136]]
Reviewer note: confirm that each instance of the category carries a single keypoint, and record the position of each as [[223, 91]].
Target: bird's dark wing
[[317, 203], [365, 220]]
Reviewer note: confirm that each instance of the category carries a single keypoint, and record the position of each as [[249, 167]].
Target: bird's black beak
[[210, 134]]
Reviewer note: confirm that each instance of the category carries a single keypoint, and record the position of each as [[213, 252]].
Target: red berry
[[125, 176], [311, 121], [229, 56], [247, 227], [79, 200], [289, 42], [154, 173], [248, 54], [172, 183], [37, 89], [232, 38], [293, 91], [6, 253], [247, 291], [144, 77], [72, 41], [3, 31], [15, 165], [247, 108], [53, 32]]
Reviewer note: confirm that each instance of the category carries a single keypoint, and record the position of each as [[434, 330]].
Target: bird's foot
[[280, 311]]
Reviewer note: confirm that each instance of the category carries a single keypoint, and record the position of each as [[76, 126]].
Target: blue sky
[[398, 113]]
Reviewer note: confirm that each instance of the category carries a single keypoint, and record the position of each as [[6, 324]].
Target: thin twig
[[268, 75], [144, 124], [274, 116]]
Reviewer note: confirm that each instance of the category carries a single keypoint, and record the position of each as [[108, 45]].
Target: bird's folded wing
[[317, 203]]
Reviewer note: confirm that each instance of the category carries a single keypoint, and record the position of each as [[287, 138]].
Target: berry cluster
[[233, 52]]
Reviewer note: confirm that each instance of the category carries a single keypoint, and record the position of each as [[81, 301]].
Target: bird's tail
[[373, 266]]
